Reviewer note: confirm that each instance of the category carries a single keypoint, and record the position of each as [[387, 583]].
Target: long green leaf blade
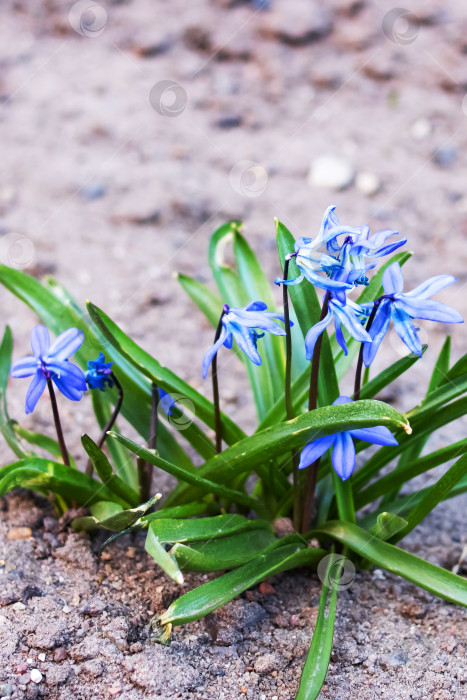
[[434, 579], [317, 660]]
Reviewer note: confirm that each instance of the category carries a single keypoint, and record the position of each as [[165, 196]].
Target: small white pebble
[[41, 657], [66, 609], [18, 606], [36, 675], [420, 129], [368, 183]]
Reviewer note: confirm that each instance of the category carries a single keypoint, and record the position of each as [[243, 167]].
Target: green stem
[[145, 469], [312, 471], [297, 495], [110, 423]]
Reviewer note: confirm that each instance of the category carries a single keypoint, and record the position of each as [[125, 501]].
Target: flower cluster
[[337, 261]]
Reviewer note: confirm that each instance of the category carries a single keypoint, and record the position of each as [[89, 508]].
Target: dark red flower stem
[[58, 425]]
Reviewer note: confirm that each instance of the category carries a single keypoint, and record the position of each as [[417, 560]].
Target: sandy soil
[[112, 196]]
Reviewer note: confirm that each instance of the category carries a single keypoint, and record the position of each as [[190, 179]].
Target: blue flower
[[99, 374], [241, 324], [166, 401], [403, 307], [343, 449], [51, 362], [347, 315]]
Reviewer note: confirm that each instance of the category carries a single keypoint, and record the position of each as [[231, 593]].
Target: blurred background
[[131, 129]]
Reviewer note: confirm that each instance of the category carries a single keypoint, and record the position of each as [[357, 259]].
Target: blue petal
[[377, 436], [69, 374], [330, 218], [67, 389], [388, 249], [429, 310], [25, 367], [377, 331], [406, 330], [346, 315], [167, 402], [431, 286], [342, 399], [289, 283], [40, 341], [314, 333], [323, 282], [35, 390], [343, 455], [256, 306], [393, 282], [66, 344], [314, 450], [256, 319], [209, 354], [340, 336], [245, 341], [301, 242]]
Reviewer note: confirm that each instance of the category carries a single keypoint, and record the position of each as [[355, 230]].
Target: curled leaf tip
[[160, 633]]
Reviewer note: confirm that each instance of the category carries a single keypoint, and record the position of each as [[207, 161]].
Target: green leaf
[[441, 368], [188, 510], [279, 439], [6, 425], [165, 379], [128, 518], [218, 554], [317, 660], [423, 423], [165, 560], [105, 472], [434, 495], [211, 595], [387, 525], [59, 311], [124, 465], [44, 475], [204, 485], [43, 441], [432, 578], [258, 287], [399, 477], [220, 526], [388, 375], [206, 301], [105, 509]]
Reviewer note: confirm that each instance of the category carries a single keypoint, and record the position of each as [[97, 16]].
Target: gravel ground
[[276, 113]]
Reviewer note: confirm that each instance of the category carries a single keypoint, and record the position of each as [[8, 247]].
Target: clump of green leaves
[[213, 520]]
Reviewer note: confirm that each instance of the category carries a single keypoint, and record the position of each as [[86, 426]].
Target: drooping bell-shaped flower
[[403, 307], [343, 449], [243, 325]]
